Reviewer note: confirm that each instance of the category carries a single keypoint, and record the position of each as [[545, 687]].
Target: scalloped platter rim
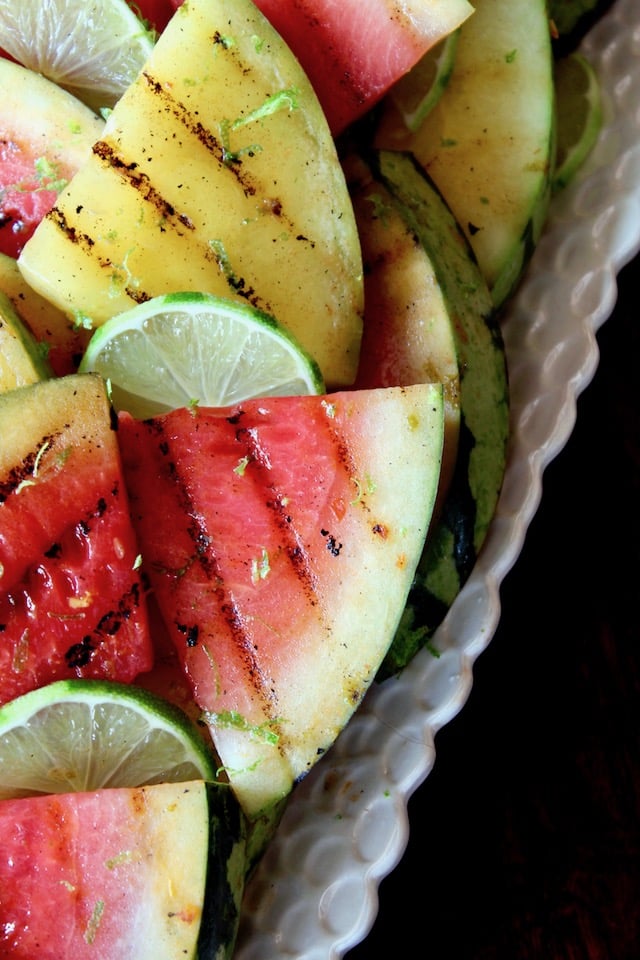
[[314, 895]]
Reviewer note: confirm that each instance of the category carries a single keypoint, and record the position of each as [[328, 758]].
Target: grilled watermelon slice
[[71, 598], [148, 872], [352, 51], [46, 134], [409, 324], [355, 50], [281, 537]]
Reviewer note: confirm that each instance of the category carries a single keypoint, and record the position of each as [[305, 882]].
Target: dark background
[[525, 838]]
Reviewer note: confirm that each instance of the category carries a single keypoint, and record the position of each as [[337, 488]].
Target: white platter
[[315, 893]]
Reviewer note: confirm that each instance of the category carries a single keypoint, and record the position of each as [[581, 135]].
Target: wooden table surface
[[525, 838]]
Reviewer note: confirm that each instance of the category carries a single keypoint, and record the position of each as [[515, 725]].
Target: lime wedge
[[566, 15], [578, 115], [181, 349], [74, 735], [418, 91], [93, 48]]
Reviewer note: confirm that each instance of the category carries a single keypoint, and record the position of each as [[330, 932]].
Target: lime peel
[[81, 734], [187, 348], [579, 115], [418, 91]]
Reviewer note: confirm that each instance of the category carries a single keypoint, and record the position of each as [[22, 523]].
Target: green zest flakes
[[260, 568], [283, 100], [235, 720], [94, 922]]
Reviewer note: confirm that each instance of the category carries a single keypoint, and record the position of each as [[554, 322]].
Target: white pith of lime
[[74, 735], [181, 349], [93, 48], [417, 92]]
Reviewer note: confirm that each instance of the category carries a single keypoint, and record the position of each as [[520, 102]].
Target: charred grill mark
[[333, 545], [237, 284], [204, 554], [269, 206], [23, 472], [191, 633], [168, 103], [86, 243], [83, 526], [294, 546], [77, 237], [138, 296], [80, 654], [249, 437], [343, 454], [141, 183], [295, 550]]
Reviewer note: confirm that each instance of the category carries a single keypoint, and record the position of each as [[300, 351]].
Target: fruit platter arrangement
[[295, 306]]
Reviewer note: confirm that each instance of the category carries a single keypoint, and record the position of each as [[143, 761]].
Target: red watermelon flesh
[[281, 538], [23, 202], [353, 51], [71, 598], [109, 874], [157, 12], [45, 134]]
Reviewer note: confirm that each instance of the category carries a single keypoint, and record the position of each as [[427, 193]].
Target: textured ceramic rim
[[315, 894]]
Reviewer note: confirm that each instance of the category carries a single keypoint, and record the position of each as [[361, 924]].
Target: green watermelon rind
[[453, 545], [226, 874]]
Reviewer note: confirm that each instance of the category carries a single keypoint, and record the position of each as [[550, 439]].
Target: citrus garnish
[[579, 115], [418, 91], [78, 735], [93, 48], [181, 349], [567, 15]]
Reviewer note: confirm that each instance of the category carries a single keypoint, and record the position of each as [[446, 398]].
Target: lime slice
[[566, 15], [579, 115], [93, 48], [181, 349], [418, 91], [74, 735]]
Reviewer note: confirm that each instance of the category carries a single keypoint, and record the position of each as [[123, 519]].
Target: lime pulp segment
[[80, 735], [186, 349], [93, 48], [579, 115]]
